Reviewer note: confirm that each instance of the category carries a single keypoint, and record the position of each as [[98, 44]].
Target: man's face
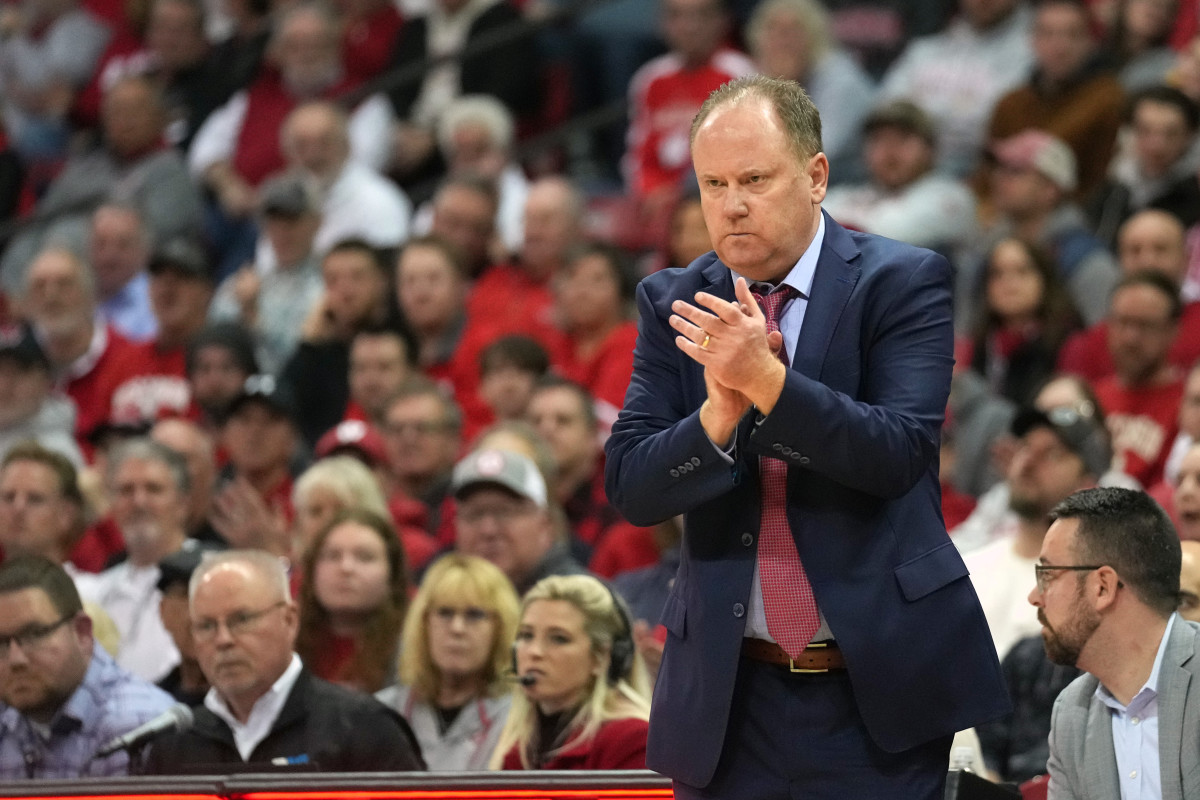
[[258, 438], [1151, 240], [549, 228], [1021, 192], [23, 389], [1187, 495], [291, 237], [35, 518], [1068, 621], [473, 151], [117, 248], [196, 448], [465, 218], [558, 415], [244, 663], [983, 14], [588, 294], [512, 532], [216, 378], [693, 28], [419, 443], [1043, 471], [1140, 332], [180, 302], [784, 50], [315, 141], [761, 205], [307, 53], [1160, 137], [175, 34], [1189, 581], [506, 389], [378, 367], [147, 505], [38, 677], [1062, 41], [429, 289], [896, 157], [57, 299], [132, 118], [354, 286]]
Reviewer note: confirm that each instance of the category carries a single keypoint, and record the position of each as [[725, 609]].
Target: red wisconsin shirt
[[1143, 424]]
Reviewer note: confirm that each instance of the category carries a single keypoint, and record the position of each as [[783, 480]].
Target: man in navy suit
[[824, 638]]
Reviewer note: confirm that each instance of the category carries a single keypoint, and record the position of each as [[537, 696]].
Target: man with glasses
[[1106, 594], [1058, 451], [63, 696], [264, 707]]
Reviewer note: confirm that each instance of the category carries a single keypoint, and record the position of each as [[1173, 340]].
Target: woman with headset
[[581, 700]]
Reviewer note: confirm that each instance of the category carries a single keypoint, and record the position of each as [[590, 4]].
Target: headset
[[621, 653]]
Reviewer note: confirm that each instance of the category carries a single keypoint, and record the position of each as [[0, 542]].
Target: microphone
[[527, 680], [176, 718]]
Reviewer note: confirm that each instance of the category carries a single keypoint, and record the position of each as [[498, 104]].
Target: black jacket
[[336, 729]]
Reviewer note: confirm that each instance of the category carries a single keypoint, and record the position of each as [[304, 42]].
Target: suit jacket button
[[803, 459], [747, 539], [777, 447], [695, 462], [674, 472], [739, 610], [787, 451]]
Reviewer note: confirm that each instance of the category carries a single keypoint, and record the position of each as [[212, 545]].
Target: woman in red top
[[353, 600], [581, 700]]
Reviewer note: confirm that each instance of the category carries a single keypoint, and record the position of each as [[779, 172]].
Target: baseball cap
[[355, 437], [18, 342], [288, 196], [181, 256], [271, 392], [903, 114], [502, 468], [1040, 151], [1082, 433], [229, 336], [179, 566]]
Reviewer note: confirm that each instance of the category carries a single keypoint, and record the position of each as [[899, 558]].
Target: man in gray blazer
[[1129, 728]]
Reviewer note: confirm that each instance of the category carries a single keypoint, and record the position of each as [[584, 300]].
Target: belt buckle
[[792, 668]]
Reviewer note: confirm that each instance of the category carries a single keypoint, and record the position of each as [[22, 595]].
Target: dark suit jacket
[[337, 729], [858, 424]]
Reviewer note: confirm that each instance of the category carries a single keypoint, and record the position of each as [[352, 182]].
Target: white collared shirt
[[1135, 732], [249, 734]]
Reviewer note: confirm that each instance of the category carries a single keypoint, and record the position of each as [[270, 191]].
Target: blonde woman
[[455, 662], [581, 700]]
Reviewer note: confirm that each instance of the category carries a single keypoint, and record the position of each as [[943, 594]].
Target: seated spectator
[[329, 487], [1059, 452], [219, 361], [1141, 398], [1185, 501], [41, 507], [198, 450], [356, 200], [956, 76], [270, 706], [455, 658], [502, 514], [464, 214], [449, 34], [355, 298], [904, 198], [594, 295], [582, 701], [50, 50], [148, 484], [509, 369], [666, 92], [239, 144], [131, 165], [794, 40], [118, 251], [431, 292], [1140, 39], [1149, 240], [381, 362], [422, 434], [1030, 188], [29, 408], [271, 304], [63, 696], [1072, 94], [186, 682], [352, 601], [253, 507], [88, 358], [1155, 166], [1024, 316], [1189, 580]]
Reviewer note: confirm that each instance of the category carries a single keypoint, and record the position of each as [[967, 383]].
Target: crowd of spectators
[[285, 277]]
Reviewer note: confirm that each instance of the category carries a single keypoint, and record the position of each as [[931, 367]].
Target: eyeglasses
[[420, 428], [471, 615], [502, 514], [1043, 579], [237, 623], [32, 637]]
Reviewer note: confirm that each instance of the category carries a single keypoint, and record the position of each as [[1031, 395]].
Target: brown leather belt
[[820, 657]]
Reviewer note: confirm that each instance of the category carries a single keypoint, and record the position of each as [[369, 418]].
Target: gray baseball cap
[[510, 471], [1082, 433]]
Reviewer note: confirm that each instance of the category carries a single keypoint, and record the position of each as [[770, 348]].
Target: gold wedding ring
[[704, 344]]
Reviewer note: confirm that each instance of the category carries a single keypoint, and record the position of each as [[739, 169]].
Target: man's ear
[[818, 172], [1106, 582]]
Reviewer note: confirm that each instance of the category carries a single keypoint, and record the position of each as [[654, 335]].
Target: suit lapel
[[833, 282], [1100, 778], [1173, 684]]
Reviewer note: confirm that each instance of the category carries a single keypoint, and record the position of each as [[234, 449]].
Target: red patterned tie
[[791, 609]]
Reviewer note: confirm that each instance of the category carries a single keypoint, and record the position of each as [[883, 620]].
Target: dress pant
[[800, 737]]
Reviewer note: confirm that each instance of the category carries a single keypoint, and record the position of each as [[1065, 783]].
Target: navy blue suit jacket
[[858, 424]]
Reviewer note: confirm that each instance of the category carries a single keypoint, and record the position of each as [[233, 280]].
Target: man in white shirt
[[264, 706]]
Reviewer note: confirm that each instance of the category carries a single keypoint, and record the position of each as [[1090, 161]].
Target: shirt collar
[[271, 700], [1149, 690], [801, 275]]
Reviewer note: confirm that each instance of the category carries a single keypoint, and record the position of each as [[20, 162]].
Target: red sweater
[[619, 744]]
